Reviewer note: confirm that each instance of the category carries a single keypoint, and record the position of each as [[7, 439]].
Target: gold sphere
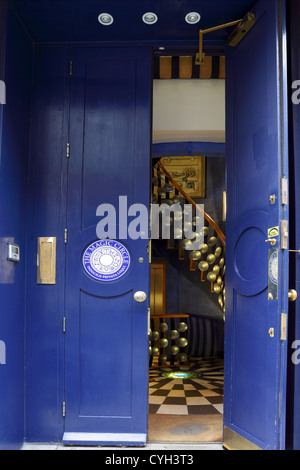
[[217, 289], [211, 259], [216, 269], [218, 251], [212, 241], [203, 266], [168, 188], [204, 248], [211, 277], [177, 199], [195, 255], [185, 244], [178, 233]]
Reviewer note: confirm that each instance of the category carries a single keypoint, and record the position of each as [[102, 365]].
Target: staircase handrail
[[194, 204]]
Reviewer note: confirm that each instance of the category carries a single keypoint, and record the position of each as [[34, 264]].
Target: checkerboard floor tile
[[199, 396]]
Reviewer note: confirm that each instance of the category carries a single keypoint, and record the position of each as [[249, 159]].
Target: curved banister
[[194, 204]]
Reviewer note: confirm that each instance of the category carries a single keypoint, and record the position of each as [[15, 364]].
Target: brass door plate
[[46, 260]]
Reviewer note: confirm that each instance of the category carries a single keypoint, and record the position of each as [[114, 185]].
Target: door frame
[[28, 333]]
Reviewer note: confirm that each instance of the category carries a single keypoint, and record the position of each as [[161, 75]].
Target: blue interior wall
[[13, 200]]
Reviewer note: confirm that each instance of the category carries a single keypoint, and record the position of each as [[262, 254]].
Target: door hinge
[[64, 324], [71, 68], [68, 150], [149, 251], [283, 335], [284, 191], [66, 236], [64, 409], [149, 322]]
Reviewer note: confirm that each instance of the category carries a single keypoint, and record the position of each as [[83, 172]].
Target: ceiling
[[77, 20]]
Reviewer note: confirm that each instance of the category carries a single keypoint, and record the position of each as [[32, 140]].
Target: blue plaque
[[106, 260]]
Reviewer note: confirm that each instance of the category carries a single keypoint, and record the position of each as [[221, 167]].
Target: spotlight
[[192, 18], [105, 19], [150, 18]]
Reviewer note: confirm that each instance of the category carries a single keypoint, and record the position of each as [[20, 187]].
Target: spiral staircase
[[207, 262], [204, 267]]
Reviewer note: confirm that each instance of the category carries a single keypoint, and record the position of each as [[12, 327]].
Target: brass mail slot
[[46, 260]]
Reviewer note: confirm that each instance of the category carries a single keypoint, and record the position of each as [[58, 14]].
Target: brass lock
[[271, 333], [293, 295]]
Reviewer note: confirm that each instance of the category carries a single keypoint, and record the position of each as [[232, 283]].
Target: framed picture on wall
[[189, 173]]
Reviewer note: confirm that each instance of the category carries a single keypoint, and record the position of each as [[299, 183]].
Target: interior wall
[[13, 203], [189, 110]]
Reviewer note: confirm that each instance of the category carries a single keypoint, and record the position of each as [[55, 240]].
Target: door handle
[[293, 295], [272, 241], [140, 297]]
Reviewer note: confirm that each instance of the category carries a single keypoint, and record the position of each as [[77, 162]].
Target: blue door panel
[[107, 337], [101, 119], [245, 378], [294, 369], [95, 383], [255, 356], [46, 218]]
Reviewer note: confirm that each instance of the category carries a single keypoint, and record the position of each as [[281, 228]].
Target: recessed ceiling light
[[192, 18], [105, 19], [150, 18]]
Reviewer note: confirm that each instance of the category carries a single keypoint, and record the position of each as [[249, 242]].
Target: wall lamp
[[243, 26]]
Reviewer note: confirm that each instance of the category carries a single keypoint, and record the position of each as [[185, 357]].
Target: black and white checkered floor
[[201, 394]]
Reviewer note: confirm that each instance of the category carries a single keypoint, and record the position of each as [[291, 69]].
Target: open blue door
[[257, 225], [107, 344]]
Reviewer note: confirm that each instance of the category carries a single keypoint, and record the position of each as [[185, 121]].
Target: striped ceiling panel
[[166, 68]]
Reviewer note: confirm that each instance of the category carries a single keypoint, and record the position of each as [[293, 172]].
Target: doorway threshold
[[192, 446]]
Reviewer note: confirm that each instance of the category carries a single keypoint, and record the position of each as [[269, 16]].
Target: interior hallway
[[186, 403]]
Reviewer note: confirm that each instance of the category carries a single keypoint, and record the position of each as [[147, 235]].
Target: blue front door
[[106, 356], [257, 258]]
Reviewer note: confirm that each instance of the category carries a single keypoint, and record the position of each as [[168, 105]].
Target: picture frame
[[189, 173]]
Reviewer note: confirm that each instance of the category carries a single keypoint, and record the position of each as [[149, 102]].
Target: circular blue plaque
[[106, 260]]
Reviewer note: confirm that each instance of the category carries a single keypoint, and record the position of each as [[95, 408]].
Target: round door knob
[[292, 295], [140, 296]]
